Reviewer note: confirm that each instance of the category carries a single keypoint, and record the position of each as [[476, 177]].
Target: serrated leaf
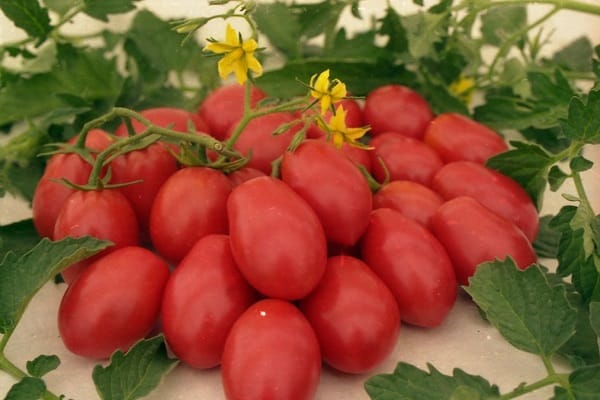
[[498, 23], [42, 364], [575, 56], [408, 382], [23, 276], [423, 32], [580, 164], [134, 374], [313, 18], [391, 26], [583, 121], [285, 37], [527, 310], [28, 388], [527, 164], [18, 237], [583, 347], [101, 9], [547, 239], [570, 246], [27, 15], [556, 177]]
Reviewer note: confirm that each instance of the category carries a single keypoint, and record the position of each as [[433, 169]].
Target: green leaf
[[285, 37], [28, 388], [61, 6], [583, 122], [313, 18], [391, 27], [575, 56], [498, 23], [583, 347], [134, 374], [423, 32], [42, 364], [27, 15], [570, 246], [527, 164], [546, 242], [23, 276], [556, 177], [18, 237], [585, 382], [101, 9], [408, 382], [595, 317], [527, 310], [580, 164]]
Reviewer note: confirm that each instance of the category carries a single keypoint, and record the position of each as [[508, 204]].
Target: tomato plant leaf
[[527, 310], [28, 15], [284, 37], [547, 239], [42, 364], [23, 276], [391, 27], [423, 32], [595, 316], [583, 121], [575, 56], [101, 9], [582, 348], [60, 6], [28, 388], [134, 374], [409, 382], [313, 18], [497, 24], [585, 382], [18, 237], [527, 164]]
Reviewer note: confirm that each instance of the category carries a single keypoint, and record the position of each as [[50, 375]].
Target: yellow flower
[[326, 91], [339, 133], [238, 55], [463, 89]]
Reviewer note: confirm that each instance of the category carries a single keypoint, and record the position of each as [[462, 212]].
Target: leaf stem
[[523, 389], [7, 366]]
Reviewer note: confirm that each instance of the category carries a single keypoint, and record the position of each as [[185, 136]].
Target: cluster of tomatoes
[[277, 274]]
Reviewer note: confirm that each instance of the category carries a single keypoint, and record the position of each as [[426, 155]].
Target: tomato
[[104, 214], [189, 205], [243, 174], [257, 139], [277, 239], [397, 108], [224, 107], [271, 353], [412, 199], [404, 158], [167, 117], [114, 303], [457, 137], [494, 190], [414, 265], [204, 296], [50, 195], [354, 315], [333, 186], [152, 165], [472, 234]]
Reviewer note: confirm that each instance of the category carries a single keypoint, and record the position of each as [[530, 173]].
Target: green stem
[[552, 379], [7, 366]]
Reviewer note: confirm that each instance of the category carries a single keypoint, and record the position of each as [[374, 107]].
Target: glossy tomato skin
[[203, 298], [104, 214], [333, 186], [414, 200], [414, 265], [404, 158], [354, 315], [494, 190], [472, 234], [152, 165], [397, 108], [244, 174], [50, 195], [457, 137], [277, 240], [189, 205], [224, 107], [258, 141], [271, 353], [114, 303]]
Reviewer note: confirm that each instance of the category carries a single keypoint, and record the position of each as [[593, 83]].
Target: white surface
[[464, 340]]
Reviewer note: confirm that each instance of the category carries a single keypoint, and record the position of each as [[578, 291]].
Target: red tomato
[[243, 174], [204, 296], [333, 186], [224, 107], [271, 353], [405, 158], [189, 205], [494, 190], [167, 117], [114, 303], [457, 137], [354, 315], [276, 238], [414, 265], [152, 165], [412, 199], [103, 214], [50, 195], [258, 141], [472, 234], [396, 108]]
